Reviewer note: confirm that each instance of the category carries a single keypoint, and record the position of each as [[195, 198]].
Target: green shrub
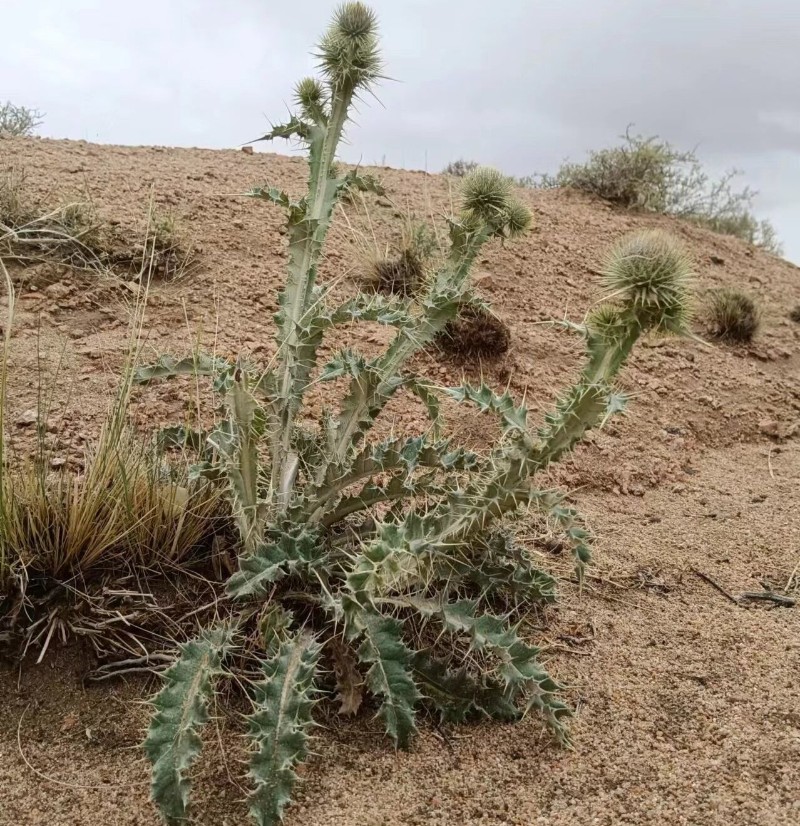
[[18, 121], [732, 316], [652, 175], [384, 562]]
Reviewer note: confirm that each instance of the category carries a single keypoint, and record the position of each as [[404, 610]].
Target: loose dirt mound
[[687, 704]]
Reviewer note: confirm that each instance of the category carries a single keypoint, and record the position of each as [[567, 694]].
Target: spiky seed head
[[348, 52], [518, 218], [309, 94], [649, 273], [486, 193]]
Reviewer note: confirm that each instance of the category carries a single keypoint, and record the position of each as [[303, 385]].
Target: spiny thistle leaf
[[393, 559], [425, 393], [196, 365], [295, 128], [389, 677], [498, 567], [311, 327], [271, 561], [276, 196], [579, 409], [278, 726], [455, 694], [361, 182], [181, 709], [514, 417], [571, 525], [405, 455], [519, 667]]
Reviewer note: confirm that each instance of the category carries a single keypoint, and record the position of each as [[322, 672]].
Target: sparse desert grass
[[77, 235], [650, 174], [169, 253], [129, 504], [15, 208], [401, 270], [732, 316]]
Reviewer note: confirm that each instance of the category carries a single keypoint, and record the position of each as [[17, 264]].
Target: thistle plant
[[384, 563]]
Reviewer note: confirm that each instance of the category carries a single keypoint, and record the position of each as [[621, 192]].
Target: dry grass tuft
[[404, 272], [129, 506], [732, 316]]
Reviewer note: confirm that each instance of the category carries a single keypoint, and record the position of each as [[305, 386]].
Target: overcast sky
[[519, 84]]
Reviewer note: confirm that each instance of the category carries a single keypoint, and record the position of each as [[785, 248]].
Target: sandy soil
[[688, 705]]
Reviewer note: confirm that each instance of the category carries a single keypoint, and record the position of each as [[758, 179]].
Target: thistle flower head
[[649, 274], [348, 52], [487, 193]]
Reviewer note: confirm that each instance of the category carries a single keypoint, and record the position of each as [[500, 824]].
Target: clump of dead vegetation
[[650, 174], [76, 235], [400, 274], [401, 269], [475, 333], [794, 314], [732, 316]]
